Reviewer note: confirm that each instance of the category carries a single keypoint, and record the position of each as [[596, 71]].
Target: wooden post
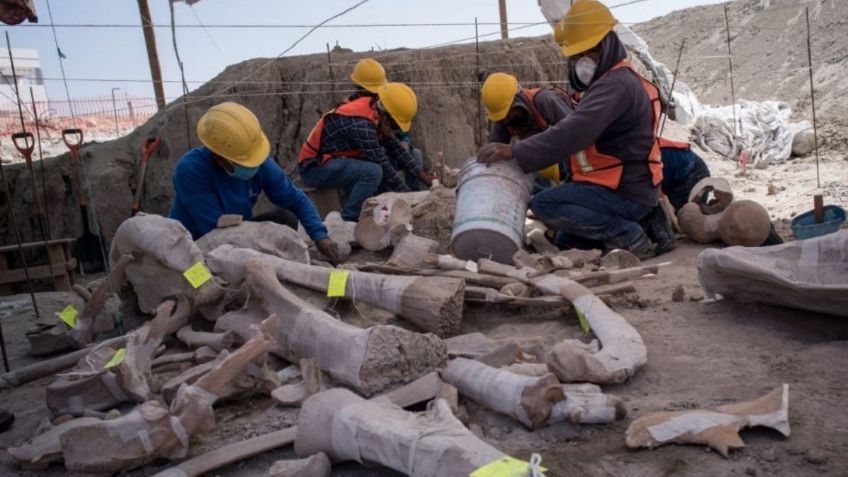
[[330, 70], [152, 55], [504, 29], [818, 208]]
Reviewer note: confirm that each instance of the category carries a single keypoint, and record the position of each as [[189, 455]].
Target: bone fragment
[[264, 237], [717, 427], [197, 339], [295, 394], [433, 304], [383, 221], [365, 359], [412, 252], [44, 449], [316, 465], [423, 389], [83, 332], [433, 443]]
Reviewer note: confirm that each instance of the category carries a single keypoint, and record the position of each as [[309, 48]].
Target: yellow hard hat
[[584, 25], [401, 103], [369, 74], [551, 173], [498, 93], [232, 131]]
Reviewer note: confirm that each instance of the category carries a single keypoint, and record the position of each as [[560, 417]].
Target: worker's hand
[[425, 178], [329, 249], [494, 152]]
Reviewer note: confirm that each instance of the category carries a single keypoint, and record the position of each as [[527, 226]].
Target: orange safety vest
[[529, 96], [592, 166], [362, 107]]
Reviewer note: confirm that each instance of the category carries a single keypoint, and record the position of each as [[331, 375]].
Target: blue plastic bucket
[[804, 226]]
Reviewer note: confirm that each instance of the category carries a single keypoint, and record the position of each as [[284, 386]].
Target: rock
[[815, 457], [769, 455], [317, 465], [696, 297], [750, 471], [679, 294], [619, 259], [803, 143]]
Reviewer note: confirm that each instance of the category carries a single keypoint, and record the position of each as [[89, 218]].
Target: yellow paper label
[[338, 283], [69, 316], [197, 274], [584, 325], [117, 358], [505, 467]]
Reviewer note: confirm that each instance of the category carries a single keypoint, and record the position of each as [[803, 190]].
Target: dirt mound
[[288, 95]]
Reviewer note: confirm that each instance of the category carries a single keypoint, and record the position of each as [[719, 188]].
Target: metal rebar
[[479, 135], [730, 62], [41, 165], [14, 222], [671, 90], [182, 75], [115, 111], [3, 348], [330, 71], [812, 96]]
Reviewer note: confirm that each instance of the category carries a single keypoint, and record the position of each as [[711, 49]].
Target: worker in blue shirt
[[227, 175]]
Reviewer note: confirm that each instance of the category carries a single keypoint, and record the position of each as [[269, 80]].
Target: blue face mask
[[243, 173]]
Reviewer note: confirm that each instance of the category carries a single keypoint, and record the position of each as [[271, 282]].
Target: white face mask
[[585, 70]]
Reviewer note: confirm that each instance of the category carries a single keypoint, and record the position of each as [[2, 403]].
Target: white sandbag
[[805, 274], [762, 129]]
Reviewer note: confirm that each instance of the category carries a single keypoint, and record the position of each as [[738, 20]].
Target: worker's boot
[[659, 230], [6, 420]]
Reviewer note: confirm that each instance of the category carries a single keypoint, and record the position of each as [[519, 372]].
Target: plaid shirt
[[345, 133]]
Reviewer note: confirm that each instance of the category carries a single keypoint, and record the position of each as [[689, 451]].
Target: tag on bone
[[337, 284], [505, 467], [117, 358], [584, 325], [197, 275], [69, 316]]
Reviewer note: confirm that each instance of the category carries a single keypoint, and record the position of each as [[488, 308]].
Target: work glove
[[329, 249]]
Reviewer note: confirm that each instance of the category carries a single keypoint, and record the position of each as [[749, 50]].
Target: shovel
[[87, 247], [148, 148], [25, 144]]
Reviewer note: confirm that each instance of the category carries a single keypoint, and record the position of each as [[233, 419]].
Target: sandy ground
[[701, 354]]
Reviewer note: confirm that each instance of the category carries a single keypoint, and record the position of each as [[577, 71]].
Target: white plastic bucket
[[491, 207]]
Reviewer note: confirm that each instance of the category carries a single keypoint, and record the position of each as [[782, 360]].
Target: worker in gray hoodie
[[609, 140]]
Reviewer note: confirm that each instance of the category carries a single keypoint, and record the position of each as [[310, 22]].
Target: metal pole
[[15, 80], [152, 55], [730, 61], [132, 113], [182, 74], [115, 110], [812, 96], [504, 29], [3, 348], [479, 135], [14, 222], [673, 82], [41, 165], [330, 70]]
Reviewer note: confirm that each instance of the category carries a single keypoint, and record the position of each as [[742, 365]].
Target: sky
[[116, 56]]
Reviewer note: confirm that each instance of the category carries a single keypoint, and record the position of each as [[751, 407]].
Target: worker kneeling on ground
[[610, 140], [682, 169], [517, 113], [228, 173], [352, 146], [368, 77]]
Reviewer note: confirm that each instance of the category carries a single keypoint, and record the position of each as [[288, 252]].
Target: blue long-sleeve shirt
[[204, 192]]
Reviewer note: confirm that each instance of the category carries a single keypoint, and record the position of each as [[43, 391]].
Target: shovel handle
[[149, 147], [72, 144], [29, 144]]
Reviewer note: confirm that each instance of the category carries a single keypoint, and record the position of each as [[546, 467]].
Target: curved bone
[[718, 428], [163, 250], [623, 351], [265, 237], [428, 444], [198, 339], [432, 303], [366, 359]]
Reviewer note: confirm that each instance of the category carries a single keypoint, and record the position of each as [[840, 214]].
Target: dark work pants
[[678, 191]]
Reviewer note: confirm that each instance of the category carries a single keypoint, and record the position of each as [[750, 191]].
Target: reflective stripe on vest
[[362, 107], [590, 165]]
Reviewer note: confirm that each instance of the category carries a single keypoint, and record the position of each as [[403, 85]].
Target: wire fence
[[97, 114]]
